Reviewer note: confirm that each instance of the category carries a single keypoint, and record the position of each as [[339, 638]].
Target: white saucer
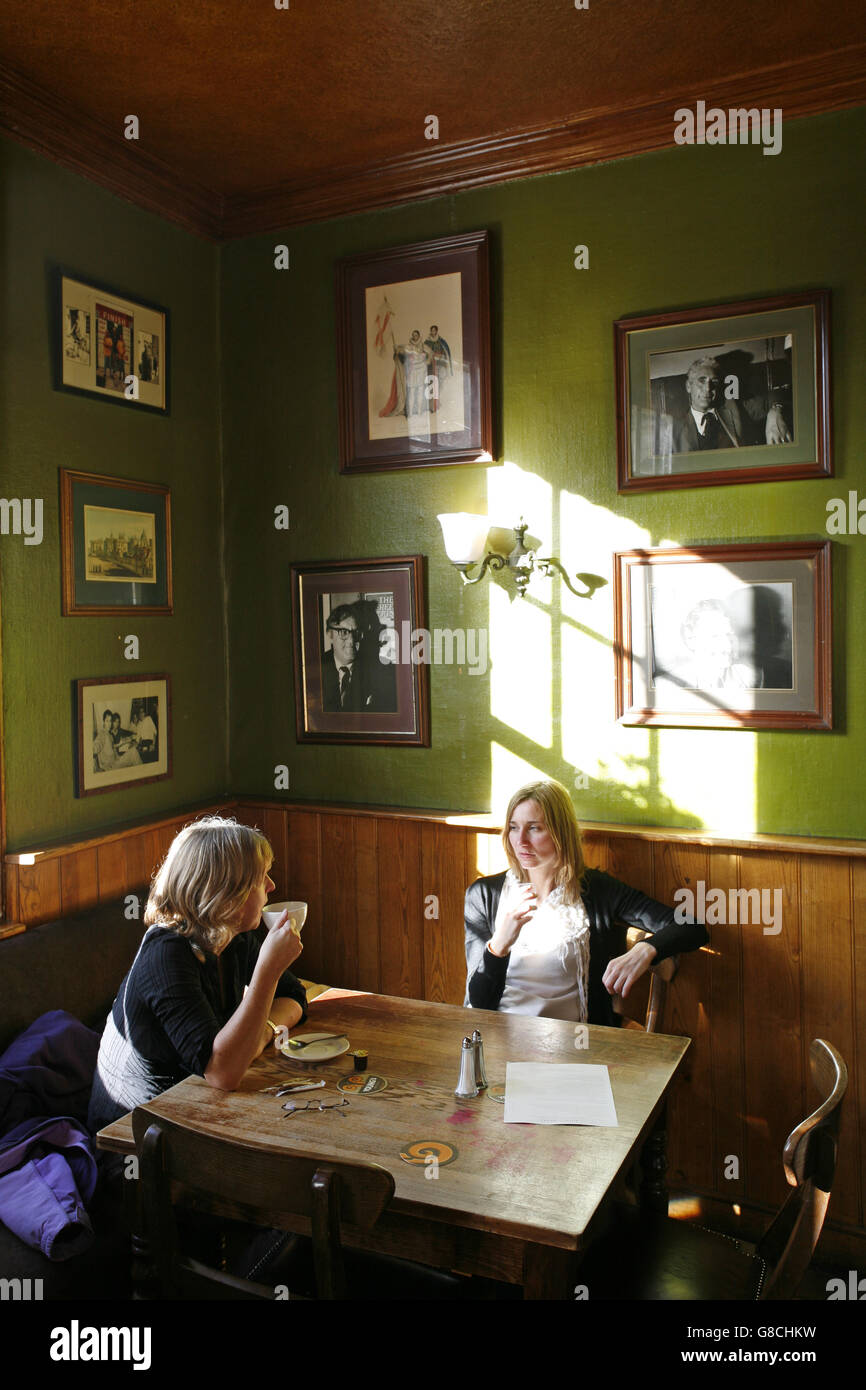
[[316, 1052]]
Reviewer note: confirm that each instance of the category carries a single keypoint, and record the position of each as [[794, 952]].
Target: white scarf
[[555, 926]]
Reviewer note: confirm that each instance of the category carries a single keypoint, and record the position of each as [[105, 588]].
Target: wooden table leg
[[549, 1273], [654, 1166]]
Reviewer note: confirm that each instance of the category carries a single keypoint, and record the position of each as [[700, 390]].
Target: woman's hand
[[519, 909], [624, 971], [280, 948]]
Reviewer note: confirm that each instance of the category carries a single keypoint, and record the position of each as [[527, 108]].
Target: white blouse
[[548, 968]]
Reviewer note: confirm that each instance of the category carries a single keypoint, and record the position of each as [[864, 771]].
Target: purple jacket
[[47, 1167]]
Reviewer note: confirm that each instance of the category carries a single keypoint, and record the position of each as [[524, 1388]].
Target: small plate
[[316, 1052]]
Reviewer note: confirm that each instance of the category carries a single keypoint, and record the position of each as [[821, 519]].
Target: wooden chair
[[268, 1187], [659, 977], [653, 1257]]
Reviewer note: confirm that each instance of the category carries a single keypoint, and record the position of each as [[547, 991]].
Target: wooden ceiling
[[253, 117]]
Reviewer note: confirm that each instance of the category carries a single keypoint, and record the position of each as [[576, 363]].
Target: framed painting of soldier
[[728, 393], [413, 356], [360, 672]]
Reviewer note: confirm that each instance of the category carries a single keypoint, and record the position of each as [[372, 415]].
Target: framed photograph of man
[[724, 636], [116, 539], [413, 356], [357, 674], [730, 393], [124, 733], [110, 346]]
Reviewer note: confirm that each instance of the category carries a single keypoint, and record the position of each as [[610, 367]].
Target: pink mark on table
[[460, 1117], [421, 1083]]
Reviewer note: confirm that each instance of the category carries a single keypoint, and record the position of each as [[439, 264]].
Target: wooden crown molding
[[60, 131], [809, 86]]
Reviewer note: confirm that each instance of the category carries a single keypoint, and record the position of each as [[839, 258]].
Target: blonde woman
[[205, 992], [549, 936]]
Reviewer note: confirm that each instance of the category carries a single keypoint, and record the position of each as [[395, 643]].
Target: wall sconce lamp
[[465, 539]]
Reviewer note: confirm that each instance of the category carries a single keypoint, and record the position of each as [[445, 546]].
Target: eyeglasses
[[294, 1107], [346, 633]]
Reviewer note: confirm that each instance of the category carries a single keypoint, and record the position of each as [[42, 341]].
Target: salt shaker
[[466, 1087]]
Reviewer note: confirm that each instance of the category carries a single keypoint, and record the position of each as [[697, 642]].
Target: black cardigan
[[612, 907]]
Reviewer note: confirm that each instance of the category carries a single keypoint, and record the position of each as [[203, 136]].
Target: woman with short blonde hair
[[549, 936], [207, 990]]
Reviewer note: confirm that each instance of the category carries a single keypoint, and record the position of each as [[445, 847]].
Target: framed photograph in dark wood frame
[[116, 539], [358, 676], [413, 356], [124, 731], [110, 346], [729, 393], [724, 636]]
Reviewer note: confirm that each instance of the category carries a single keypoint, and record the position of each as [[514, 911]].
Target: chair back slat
[[270, 1186], [810, 1163], [276, 1182]]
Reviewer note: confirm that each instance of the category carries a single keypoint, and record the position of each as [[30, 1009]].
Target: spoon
[[298, 1043]]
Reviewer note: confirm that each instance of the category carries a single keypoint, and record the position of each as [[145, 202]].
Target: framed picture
[[732, 393], [360, 673], [110, 346], [724, 636], [413, 356], [116, 537], [124, 731]]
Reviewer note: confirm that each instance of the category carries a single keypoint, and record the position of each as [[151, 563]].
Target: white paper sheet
[[558, 1093]]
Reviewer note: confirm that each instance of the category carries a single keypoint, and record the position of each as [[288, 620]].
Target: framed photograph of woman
[[116, 538], [729, 393], [110, 346], [358, 676], [124, 731], [724, 636], [413, 356]]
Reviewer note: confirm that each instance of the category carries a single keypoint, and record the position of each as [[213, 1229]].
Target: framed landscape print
[[110, 346], [731, 393], [413, 356], [124, 731], [358, 676], [724, 636], [116, 537]]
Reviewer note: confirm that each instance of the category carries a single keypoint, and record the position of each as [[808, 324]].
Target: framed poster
[[731, 393], [413, 356], [116, 539], [724, 636], [110, 346], [124, 731], [358, 678]]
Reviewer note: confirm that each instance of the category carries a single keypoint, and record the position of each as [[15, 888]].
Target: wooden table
[[519, 1203]]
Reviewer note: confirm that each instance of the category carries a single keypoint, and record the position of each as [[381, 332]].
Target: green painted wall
[[52, 216], [683, 227]]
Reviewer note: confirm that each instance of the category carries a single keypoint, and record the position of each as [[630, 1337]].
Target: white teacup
[[297, 915]]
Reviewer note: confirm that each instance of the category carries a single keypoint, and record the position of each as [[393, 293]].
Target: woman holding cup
[[205, 993]]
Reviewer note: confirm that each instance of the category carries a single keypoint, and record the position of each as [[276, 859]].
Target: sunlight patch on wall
[[521, 672], [507, 773]]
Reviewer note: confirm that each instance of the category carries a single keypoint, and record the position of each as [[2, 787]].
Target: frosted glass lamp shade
[[465, 536]]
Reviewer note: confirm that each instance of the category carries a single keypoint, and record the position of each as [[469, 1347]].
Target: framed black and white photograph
[[729, 393], [124, 731], [356, 679], [111, 346], [413, 356], [724, 636], [116, 545]]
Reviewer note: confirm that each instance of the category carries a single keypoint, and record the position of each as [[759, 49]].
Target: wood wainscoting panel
[[693, 1147], [725, 1013], [443, 869], [39, 896], [828, 1010], [774, 1089], [79, 882], [401, 909]]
